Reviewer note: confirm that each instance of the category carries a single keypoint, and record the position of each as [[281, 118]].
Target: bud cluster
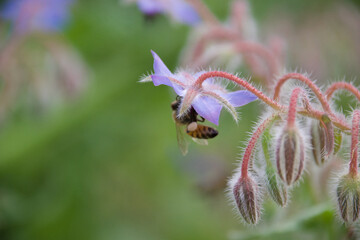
[[284, 155]]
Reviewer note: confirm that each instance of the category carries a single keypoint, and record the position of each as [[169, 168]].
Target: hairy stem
[[308, 82], [250, 147], [353, 169], [292, 107], [242, 83], [342, 86], [341, 124]]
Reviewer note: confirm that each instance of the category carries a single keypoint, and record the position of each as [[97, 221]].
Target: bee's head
[[175, 104]]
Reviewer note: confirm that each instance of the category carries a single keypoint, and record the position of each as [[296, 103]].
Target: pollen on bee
[[192, 126]]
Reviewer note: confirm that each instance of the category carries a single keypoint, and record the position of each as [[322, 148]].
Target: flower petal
[[150, 7], [159, 80], [159, 66], [240, 98], [208, 108], [184, 12]]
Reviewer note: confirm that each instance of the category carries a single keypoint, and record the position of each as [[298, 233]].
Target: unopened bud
[[348, 197], [248, 199], [275, 187], [322, 139], [290, 155]]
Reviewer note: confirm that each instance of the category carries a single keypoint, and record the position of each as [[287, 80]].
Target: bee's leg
[[200, 119], [174, 116], [191, 127]]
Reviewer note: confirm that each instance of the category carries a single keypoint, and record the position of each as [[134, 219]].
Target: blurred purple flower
[[207, 99], [36, 15], [180, 10]]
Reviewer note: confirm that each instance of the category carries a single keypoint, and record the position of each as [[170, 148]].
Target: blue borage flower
[[207, 99], [36, 15], [179, 10]]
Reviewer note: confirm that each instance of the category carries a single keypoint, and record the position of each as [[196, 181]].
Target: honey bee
[[188, 124]]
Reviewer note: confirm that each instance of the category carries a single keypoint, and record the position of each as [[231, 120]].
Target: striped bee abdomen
[[203, 132]]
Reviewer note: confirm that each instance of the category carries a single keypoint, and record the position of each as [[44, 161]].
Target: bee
[[188, 124]]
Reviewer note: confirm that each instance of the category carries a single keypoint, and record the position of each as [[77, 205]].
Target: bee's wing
[[200, 141], [181, 138]]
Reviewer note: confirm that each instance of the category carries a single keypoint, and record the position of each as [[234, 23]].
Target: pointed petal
[[224, 102], [207, 108], [240, 98], [184, 13], [150, 6], [178, 89], [159, 79], [163, 75], [159, 66]]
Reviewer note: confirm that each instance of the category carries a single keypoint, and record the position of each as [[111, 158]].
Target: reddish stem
[[242, 83], [353, 169], [312, 86], [292, 107], [342, 85], [272, 103], [252, 143]]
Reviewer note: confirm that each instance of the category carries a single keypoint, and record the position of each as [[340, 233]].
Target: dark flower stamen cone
[[248, 199], [348, 198], [290, 155]]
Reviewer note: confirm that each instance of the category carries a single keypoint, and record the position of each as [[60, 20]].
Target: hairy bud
[[276, 188], [290, 155], [248, 199], [348, 197], [322, 139]]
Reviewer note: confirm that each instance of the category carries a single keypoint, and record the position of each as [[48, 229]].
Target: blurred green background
[[107, 166]]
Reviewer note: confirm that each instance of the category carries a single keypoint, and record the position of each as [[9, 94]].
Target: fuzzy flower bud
[[348, 197], [290, 155], [322, 139], [247, 196]]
